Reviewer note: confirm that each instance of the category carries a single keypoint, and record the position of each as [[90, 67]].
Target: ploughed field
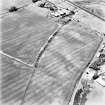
[[13, 81], [60, 66], [23, 36]]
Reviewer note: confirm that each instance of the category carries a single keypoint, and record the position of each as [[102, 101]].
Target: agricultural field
[[13, 80], [61, 66], [23, 36], [45, 54]]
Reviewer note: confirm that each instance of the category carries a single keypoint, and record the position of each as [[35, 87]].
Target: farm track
[[38, 59], [78, 82], [42, 50], [16, 59], [53, 71]]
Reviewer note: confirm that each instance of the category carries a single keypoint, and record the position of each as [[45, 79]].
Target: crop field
[[13, 80], [24, 36], [43, 60], [61, 66]]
